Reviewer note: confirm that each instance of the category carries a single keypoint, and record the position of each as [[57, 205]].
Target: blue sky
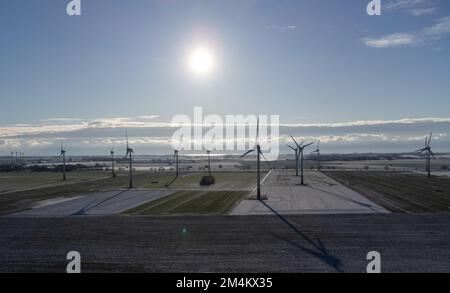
[[311, 61]]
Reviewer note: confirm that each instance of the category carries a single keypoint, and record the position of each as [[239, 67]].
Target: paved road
[[321, 195], [300, 243], [101, 203]]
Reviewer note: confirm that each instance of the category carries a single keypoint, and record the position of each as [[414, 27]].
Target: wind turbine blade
[[298, 145], [247, 153], [307, 145], [420, 151], [294, 149], [429, 139]]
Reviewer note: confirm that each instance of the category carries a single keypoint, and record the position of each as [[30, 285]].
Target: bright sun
[[201, 61]]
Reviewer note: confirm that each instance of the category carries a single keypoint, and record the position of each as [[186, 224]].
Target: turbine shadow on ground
[[59, 220], [88, 207], [366, 205], [171, 182], [318, 249]]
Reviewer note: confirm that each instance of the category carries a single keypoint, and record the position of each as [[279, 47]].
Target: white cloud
[[61, 120], [442, 27], [111, 123], [38, 143], [434, 32], [282, 28], [393, 40], [9, 143], [288, 27], [55, 125], [413, 7], [148, 136], [422, 11], [371, 122]]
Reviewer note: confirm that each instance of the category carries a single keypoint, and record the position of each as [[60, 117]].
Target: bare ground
[[301, 243]]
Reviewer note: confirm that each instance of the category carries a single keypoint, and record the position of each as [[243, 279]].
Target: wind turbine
[[209, 161], [130, 153], [112, 163], [296, 159], [428, 153], [301, 148], [63, 155], [318, 155], [175, 156], [259, 153]]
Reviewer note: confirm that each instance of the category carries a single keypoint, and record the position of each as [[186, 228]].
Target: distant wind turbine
[[63, 155], [112, 163], [428, 154], [209, 162], [129, 152], [296, 159], [175, 156], [301, 148], [318, 155]]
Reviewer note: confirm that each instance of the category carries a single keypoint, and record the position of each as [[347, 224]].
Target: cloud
[[372, 122], [148, 136], [59, 125], [61, 120], [38, 142], [282, 28], [441, 28], [289, 27], [393, 40], [412, 7], [422, 11], [434, 32]]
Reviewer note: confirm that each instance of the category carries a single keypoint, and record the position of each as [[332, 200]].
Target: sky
[[358, 83]]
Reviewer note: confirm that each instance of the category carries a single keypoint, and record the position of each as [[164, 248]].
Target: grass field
[[26, 194], [224, 181], [27, 180], [27, 188], [400, 191], [191, 202]]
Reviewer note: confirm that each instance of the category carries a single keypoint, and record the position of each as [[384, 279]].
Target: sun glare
[[201, 61]]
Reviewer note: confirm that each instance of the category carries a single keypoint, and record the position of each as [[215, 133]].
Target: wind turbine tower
[[130, 152], [63, 155], [318, 156], [301, 148]]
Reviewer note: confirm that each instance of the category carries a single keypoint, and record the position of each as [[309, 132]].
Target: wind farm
[[245, 188], [225, 137]]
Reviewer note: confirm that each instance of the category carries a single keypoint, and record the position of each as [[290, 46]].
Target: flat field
[[400, 191], [191, 202], [25, 189]]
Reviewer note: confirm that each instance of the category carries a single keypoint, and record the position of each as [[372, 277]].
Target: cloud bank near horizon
[[150, 136]]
